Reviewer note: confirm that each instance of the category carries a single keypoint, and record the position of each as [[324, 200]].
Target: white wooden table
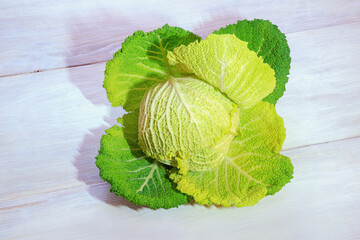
[[53, 111]]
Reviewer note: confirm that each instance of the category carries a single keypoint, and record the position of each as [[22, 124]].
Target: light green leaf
[[252, 168], [187, 123], [142, 63], [261, 126], [225, 62], [241, 180], [132, 175], [270, 43]]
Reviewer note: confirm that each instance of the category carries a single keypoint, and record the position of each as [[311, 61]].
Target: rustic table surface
[[54, 111]]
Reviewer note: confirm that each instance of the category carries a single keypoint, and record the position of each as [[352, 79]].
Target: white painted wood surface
[[320, 203], [39, 35], [52, 121]]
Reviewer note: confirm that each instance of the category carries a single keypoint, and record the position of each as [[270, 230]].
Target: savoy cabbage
[[202, 123]]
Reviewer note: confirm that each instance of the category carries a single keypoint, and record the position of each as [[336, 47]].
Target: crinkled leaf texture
[[270, 43], [139, 65], [179, 127], [253, 167], [133, 176], [225, 62]]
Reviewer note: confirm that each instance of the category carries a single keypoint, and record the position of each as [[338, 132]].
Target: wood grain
[[319, 203], [37, 35], [321, 102], [49, 116], [57, 117], [52, 121]]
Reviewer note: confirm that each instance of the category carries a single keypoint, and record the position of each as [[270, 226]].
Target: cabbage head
[[178, 125]]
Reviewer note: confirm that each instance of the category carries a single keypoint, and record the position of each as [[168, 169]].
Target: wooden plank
[[38, 35], [321, 202], [321, 102], [48, 117], [54, 120]]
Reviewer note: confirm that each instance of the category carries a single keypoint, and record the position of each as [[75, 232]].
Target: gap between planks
[[315, 144], [65, 188], [105, 183], [96, 62]]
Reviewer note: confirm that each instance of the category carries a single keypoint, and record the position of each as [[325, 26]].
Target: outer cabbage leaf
[[252, 168], [225, 62], [141, 180], [141, 63], [187, 123], [261, 127], [270, 43]]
